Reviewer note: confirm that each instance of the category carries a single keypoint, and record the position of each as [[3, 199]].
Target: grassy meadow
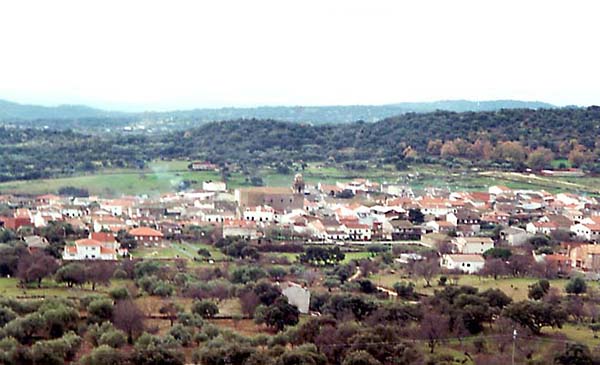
[[165, 176]]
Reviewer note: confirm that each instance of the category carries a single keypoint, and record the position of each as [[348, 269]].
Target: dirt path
[[520, 177], [358, 273]]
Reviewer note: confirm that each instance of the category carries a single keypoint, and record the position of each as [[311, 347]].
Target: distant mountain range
[[14, 112]]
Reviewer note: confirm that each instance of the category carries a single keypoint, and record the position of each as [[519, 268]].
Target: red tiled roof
[[356, 225], [103, 237], [87, 242], [145, 231]]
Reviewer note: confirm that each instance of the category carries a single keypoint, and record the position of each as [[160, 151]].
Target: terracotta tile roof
[[103, 237], [145, 231], [354, 225], [87, 242]]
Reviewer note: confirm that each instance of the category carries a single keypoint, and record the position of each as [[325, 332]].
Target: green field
[[516, 288], [9, 287], [165, 176]]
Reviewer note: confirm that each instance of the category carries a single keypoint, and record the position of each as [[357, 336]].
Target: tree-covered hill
[[408, 135], [508, 138], [89, 120]]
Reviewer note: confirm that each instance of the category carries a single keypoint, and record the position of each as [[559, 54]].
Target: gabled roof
[[87, 242], [145, 231], [103, 236]]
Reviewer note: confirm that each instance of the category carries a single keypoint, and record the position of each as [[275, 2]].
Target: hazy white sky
[[180, 54]]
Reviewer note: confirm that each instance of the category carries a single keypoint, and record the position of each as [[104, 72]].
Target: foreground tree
[[433, 329], [427, 269], [575, 354], [99, 273], [71, 274], [536, 315], [281, 314], [35, 267], [128, 318], [576, 286], [538, 290]]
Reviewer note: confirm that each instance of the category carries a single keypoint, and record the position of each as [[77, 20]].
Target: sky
[[161, 55]]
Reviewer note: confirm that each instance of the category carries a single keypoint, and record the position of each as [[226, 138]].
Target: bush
[[100, 310], [190, 319], [119, 294], [205, 308], [56, 351], [163, 289], [95, 331], [405, 290], [103, 355], [182, 334], [114, 338], [576, 286], [6, 315], [120, 274]]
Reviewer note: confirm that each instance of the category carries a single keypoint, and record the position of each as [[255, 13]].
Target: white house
[[541, 227], [236, 228], [499, 190], [467, 263], [297, 295], [440, 226], [473, 245], [358, 231], [261, 213], [589, 231], [215, 186], [89, 249]]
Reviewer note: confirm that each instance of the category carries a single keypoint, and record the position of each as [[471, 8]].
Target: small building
[[261, 213], [297, 295], [240, 228], [464, 217], [214, 186], [514, 236], [35, 243], [440, 226], [146, 235], [88, 249], [467, 263], [405, 231], [473, 245], [589, 231], [203, 166], [585, 257], [358, 231], [541, 227]]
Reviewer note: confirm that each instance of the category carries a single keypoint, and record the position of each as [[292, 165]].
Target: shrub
[[205, 308], [103, 355], [114, 338], [182, 334], [163, 289], [119, 294], [6, 315], [100, 310]]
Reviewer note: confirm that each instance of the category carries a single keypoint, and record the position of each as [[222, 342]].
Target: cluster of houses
[[359, 211]]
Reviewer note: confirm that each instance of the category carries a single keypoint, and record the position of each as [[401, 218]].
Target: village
[[461, 226]]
